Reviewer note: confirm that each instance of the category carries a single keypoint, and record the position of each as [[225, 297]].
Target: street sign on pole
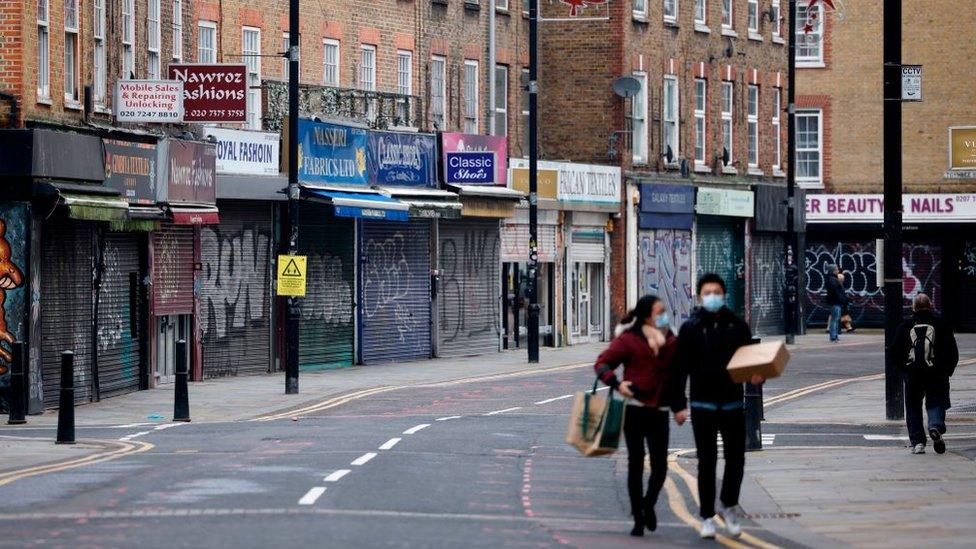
[[911, 82]]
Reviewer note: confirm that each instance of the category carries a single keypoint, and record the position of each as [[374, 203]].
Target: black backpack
[[921, 353]]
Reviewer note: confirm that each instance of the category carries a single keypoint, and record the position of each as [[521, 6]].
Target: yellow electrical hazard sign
[[292, 275]]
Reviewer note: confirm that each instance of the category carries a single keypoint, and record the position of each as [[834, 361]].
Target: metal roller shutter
[[922, 272], [327, 331], [119, 316], [664, 269], [720, 251], [66, 306], [173, 270], [766, 303], [515, 242], [469, 296], [395, 291], [967, 283], [235, 295], [588, 246]]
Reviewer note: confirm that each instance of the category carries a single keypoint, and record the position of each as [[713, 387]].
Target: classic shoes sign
[[475, 159], [470, 168], [212, 93]]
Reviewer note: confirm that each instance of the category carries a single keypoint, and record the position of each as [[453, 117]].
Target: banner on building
[[155, 101], [469, 168], [331, 153], [130, 168], [869, 208], [246, 152], [212, 93], [402, 159], [727, 202], [191, 172]]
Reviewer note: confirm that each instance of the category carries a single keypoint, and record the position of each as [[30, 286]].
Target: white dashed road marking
[[389, 444], [885, 437], [496, 412], [335, 476], [127, 438], [363, 459], [448, 418], [548, 400], [312, 496], [413, 430]]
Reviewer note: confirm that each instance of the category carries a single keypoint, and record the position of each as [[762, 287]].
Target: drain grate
[[767, 516]]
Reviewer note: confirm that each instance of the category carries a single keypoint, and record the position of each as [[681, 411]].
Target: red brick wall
[[12, 45]]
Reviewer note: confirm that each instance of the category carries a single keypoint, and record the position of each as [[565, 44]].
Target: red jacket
[[649, 373]]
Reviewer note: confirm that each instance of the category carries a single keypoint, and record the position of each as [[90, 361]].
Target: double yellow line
[[121, 449]]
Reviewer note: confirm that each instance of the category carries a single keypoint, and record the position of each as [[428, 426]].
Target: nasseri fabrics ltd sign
[[246, 152], [869, 208]]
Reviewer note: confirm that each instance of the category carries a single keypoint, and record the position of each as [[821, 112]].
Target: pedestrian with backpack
[[928, 355]]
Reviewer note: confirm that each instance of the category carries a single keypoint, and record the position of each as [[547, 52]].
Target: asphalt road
[[473, 464]]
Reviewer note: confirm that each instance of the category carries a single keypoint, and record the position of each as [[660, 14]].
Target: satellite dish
[[626, 86]]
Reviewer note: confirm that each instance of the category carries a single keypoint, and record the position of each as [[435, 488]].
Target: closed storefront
[[172, 295], [515, 264], [767, 261], [327, 328], [394, 291], [66, 305], [720, 239], [121, 315], [664, 253], [469, 300], [588, 295], [967, 284]]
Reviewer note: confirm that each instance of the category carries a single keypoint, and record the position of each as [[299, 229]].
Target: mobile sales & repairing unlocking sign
[[159, 101]]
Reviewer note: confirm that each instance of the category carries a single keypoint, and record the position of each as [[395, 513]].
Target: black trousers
[[648, 426], [706, 425]]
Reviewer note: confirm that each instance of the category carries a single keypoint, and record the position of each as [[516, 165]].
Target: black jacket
[[706, 343], [946, 350], [835, 291]]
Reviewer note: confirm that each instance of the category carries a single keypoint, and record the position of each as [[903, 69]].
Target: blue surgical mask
[[713, 302], [663, 320]]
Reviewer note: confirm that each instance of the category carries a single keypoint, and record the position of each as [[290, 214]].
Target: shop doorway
[[515, 308], [170, 329], [587, 302]]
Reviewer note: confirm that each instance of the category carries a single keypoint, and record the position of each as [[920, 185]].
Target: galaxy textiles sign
[[245, 152], [191, 170], [404, 159], [475, 159], [130, 168], [330, 153], [869, 208], [212, 93]]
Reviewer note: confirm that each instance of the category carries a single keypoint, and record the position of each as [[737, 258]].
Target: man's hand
[[625, 389], [681, 417], [757, 379]]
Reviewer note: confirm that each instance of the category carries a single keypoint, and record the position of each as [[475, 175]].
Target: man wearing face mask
[[706, 343]]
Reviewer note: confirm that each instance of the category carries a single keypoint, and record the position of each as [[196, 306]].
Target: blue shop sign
[[666, 206], [403, 159], [470, 168], [331, 153]]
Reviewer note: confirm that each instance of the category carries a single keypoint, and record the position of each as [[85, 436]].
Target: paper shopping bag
[[595, 423]]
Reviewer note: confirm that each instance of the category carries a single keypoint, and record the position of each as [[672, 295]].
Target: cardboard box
[[766, 359]]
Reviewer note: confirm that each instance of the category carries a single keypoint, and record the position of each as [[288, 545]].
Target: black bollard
[[754, 413], [18, 402], [66, 407], [181, 405]]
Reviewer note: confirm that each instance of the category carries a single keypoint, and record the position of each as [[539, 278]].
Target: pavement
[[471, 452]]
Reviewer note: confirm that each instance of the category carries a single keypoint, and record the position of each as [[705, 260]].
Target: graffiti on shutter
[[665, 270], [469, 293], [967, 274], [119, 316], [766, 304]]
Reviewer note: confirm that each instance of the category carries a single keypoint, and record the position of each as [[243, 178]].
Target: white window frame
[[670, 9], [206, 55], [99, 58], [128, 39], [367, 67], [728, 126], [729, 21], [500, 108], [501, 5], [807, 181], [438, 92], [701, 122], [72, 47], [404, 84], [701, 13], [525, 109], [777, 128], [671, 118], [330, 69], [807, 42], [752, 19], [286, 43], [177, 30], [640, 9], [752, 124], [252, 61], [470, 96], [638, 115], [777, 12], [44, 50], [154, 65]]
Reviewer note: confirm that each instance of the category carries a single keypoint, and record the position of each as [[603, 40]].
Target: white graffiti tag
[[385, 275], [232, 298], [328, 295]]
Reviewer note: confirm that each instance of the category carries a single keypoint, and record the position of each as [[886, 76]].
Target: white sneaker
[[731, 517], [708, 528], [918, 449]]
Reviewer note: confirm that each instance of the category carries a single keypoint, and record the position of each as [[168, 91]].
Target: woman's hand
[[681, 417], [757, 379], [625, 389]]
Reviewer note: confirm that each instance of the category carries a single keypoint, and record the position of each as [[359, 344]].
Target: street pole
[[293, 314], [533, 183], [893, 291], [790, 270]]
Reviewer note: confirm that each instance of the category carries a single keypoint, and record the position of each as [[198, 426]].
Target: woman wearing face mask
[[644, 346]]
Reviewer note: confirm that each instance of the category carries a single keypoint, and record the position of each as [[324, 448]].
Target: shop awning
[[427, 203], [364, 205], [194, 215], [487, 191], [95, 207]]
